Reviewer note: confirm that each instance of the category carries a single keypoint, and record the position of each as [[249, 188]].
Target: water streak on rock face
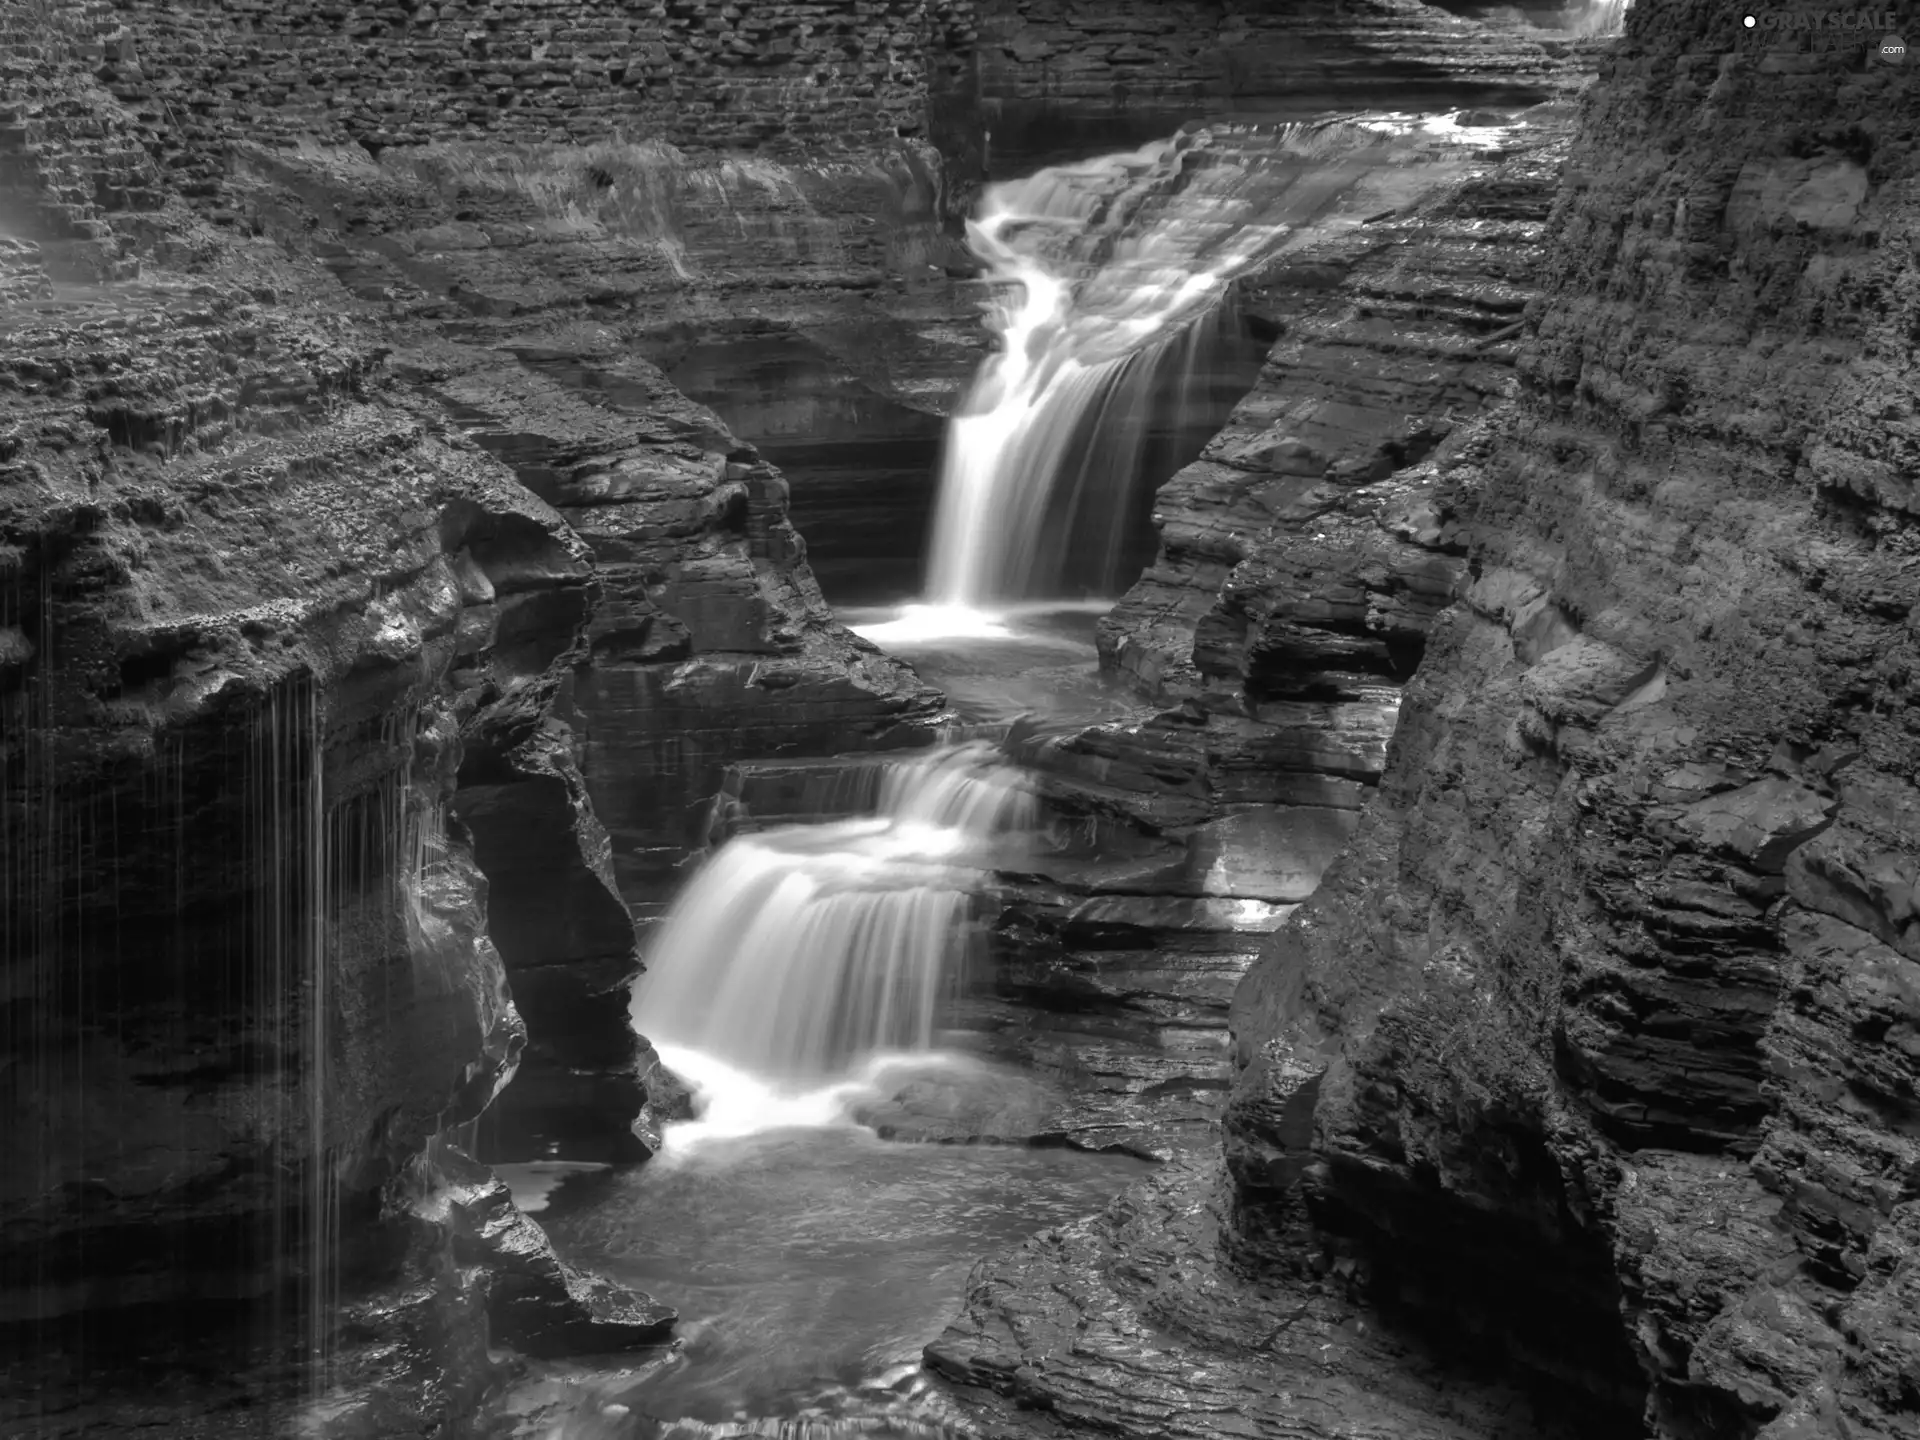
[[1107, 268], [802, 951]]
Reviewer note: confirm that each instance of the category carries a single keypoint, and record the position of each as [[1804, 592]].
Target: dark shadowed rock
[[1607, 976], [537, 1302]]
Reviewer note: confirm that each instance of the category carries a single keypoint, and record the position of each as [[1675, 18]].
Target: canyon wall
[[803, 74], [1160, 52], [1060, 77], [1589, 1065], [515, 279], [1596, 1044], [290, 644]]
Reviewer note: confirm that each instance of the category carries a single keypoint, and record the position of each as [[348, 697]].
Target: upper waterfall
[[1101, 270], [1601, 17]]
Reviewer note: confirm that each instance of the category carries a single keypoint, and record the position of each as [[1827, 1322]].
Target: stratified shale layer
[[1592, 1057], [256, 606], [1055, 72], [711, 640], [800, 74], [259, 605], [514, 281], [232, 726], [1162, 53], [1620, 970], [1302, 560], [290, 654]]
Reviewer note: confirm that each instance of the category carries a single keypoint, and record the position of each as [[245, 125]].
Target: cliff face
[[1303, 556], [515, 277], [797, 75], [1604, 1019], [1056, 75], [293, 811], [235, 698]]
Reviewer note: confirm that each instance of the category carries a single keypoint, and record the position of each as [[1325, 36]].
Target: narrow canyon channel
[[872, 1106]]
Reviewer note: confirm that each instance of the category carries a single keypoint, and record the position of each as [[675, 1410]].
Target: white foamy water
[[1601, 17], [1103, 271], [803, 962]]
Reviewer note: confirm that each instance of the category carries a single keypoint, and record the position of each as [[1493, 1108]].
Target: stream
[[805, 981]]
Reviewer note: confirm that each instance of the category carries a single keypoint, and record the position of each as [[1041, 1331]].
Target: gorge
[[992, 718]]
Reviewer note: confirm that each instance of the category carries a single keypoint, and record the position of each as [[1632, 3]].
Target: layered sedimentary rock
[[258, 606], [1051, 69], [1617, 961], [476, 600], [711, 640], [1137, 1322], [231, 707], [796, 75], [1304, 555], [69, 156], [515, 283], [1588, 1057]]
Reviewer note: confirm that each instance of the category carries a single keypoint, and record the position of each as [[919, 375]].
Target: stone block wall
[[798, 75]]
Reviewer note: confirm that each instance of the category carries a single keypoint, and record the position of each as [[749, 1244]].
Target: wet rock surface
[[1306, 552], [1296, 583], [537, 1303], [1630, 771], [1579, 1055], [1141, 1322], [710, 639], [241, 706]]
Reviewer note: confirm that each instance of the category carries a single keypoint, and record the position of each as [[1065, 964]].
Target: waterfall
[[1101, 272], [1600, 17], [801, 956]]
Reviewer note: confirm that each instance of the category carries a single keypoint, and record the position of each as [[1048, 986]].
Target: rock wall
[[694, 590], [804, 74], [262, 608], [1618, 974], [1303, 556], [231, 733], [1045, 64]]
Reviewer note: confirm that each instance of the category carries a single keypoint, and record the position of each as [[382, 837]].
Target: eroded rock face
[[1136, 1322], [1304, 555], [710, 640], [801, 74], [234, 708], [1049, 69], [259, 604], [1616, 973]]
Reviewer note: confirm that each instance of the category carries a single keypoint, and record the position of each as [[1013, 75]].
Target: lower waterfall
[[804, 960]]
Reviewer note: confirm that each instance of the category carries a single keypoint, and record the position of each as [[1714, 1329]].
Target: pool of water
[[809, 1268], [1035, 664]]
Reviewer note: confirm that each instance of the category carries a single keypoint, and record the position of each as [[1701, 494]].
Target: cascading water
[[802, 957], [1601, 17], [1103, 271]]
